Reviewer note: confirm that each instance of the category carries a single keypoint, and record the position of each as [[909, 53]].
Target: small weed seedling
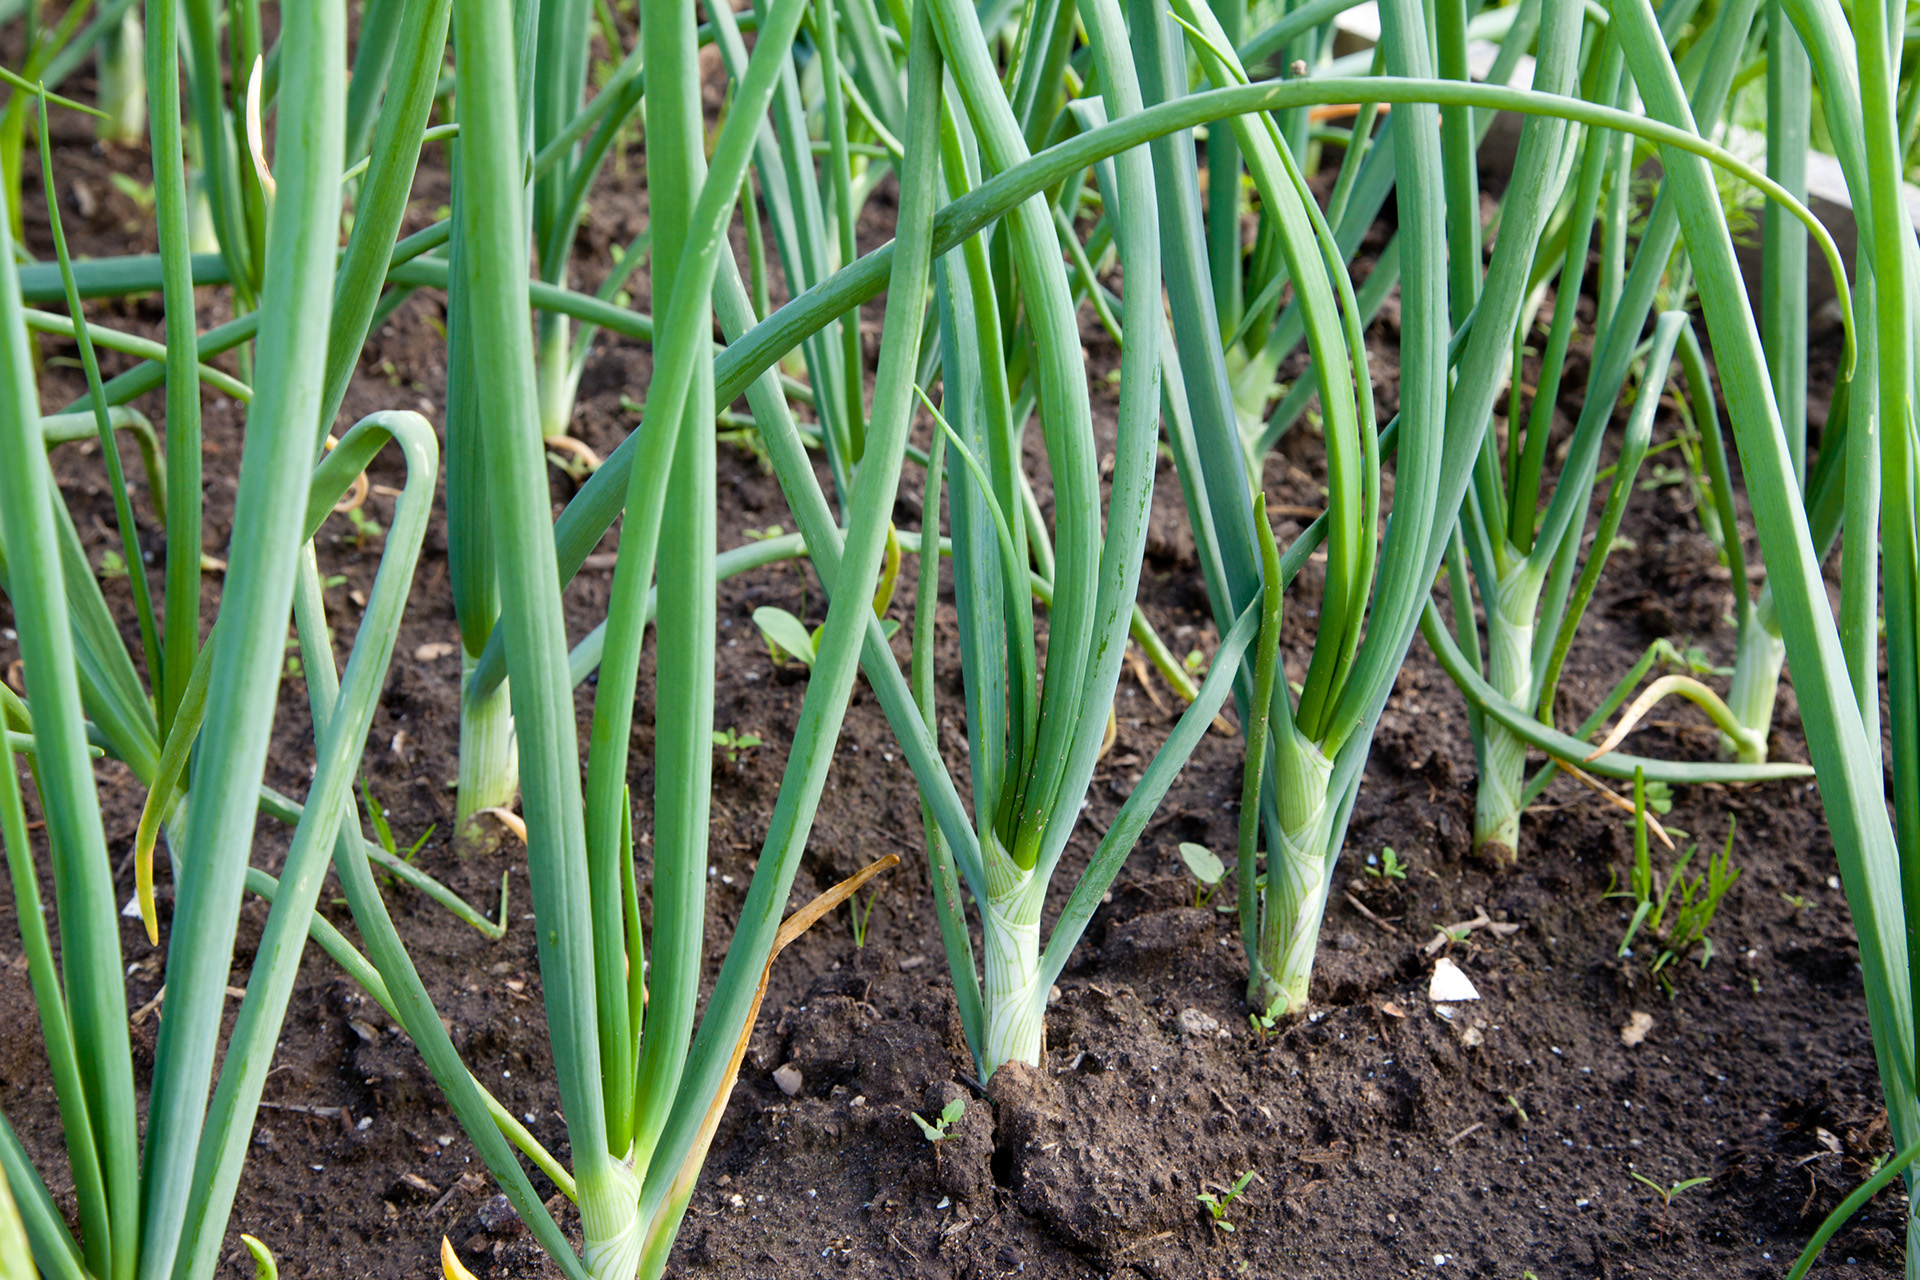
[[264, 1265], [113, 565], [366, 530], [1390, 867], [141, 193], [936, 1130], [1692, 900], [1207, 871], [861, 917], [1660, 800], [733, 742], [1699, 899], [1667, 1196], [787, 637], [377, 815], [1217, 1205], [1264, 1022]]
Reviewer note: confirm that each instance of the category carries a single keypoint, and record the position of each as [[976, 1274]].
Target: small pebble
[[497, 1216], [789, 1079], [1196, 1022]]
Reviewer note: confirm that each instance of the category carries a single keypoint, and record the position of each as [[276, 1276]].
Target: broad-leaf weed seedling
[[937, 1130], [1389, 866], [733, 743], [1207, 871]]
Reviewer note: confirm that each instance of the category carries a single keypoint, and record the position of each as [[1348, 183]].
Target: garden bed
[[1386, 1138]]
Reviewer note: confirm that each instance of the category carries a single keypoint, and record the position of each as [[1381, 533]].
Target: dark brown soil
[[1386, 1137]]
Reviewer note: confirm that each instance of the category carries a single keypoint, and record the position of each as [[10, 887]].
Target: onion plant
[[746, 366], [1783, 321], [1304, 807], [1522, 550], [157, 1204], [489, 757], [1836, 667], [1835, 660], [641, 1087], [1099, 582], [1034, 735]]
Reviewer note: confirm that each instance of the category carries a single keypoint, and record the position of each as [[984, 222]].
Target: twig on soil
[[1470, 1129], [1457, 932], [1362, 908], [148, 1009], [1164, 1235]]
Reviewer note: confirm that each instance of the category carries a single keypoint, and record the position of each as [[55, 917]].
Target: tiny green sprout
[[733, 742], [1518, 1110], [1663, 476], [1798, 901], [937, 1130], [113, 566], [861, 917], [141, 193], [1217, 1205], [761, 535], [365, 528], [1207, 871], [1667, 1194], [264, 1267], [1390, 868], [377, 815], [1195, 662], [787, 637], [333, 580], [1264, 1022], [1660, 800], [1698, 662], [383, 833]]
